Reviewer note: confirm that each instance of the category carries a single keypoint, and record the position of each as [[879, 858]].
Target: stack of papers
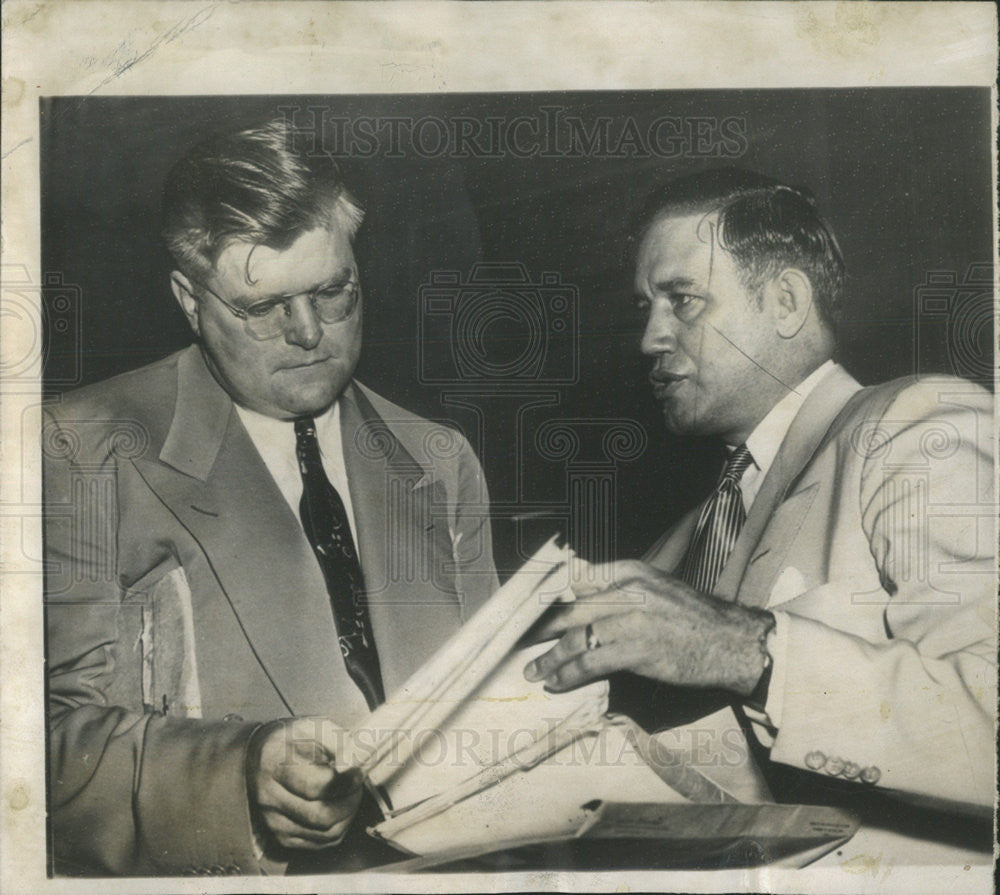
[[468, 756]]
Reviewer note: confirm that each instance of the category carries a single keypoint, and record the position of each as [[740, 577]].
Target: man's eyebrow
[[677, 284], [337, 278], [671, 286]]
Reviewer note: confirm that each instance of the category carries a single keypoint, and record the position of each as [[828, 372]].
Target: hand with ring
[[646, 621]]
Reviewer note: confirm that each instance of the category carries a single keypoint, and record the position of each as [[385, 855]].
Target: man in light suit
[[834, 596], [238, 533]]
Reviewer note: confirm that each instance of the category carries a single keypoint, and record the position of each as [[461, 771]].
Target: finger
[[591, 578], [594, 578], [588, 666], [588, 609], [303, 778], [273, 794], [285, 829], [282, 824], [290, 752], [558, 621], [317, 816], [292, 835], [570, 645], [624, 629], [305, 844], [318, 738], [318, 781]]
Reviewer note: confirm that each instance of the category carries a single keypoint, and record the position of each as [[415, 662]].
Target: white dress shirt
[[763, 444], [275, 442]]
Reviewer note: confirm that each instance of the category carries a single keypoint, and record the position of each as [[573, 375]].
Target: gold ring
[[593, 641]]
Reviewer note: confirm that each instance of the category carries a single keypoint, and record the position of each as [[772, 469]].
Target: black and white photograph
[[469, 488]]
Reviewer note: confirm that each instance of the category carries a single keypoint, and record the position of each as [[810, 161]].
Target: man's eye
[[262, 309], [331, 293], [685, 302]]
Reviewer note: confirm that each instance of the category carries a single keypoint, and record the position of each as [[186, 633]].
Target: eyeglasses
[[269, 318]]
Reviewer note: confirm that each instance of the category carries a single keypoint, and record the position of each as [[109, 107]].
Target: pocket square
[[788, 585]]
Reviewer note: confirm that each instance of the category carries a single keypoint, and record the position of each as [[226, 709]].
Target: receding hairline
[[698, 211]]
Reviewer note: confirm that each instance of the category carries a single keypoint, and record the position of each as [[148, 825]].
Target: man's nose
[[660, 335], [303, 327]]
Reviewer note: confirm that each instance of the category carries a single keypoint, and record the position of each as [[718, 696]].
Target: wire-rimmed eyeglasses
[[268, 318]]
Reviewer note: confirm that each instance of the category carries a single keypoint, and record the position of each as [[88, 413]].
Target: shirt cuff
[[777, 647]]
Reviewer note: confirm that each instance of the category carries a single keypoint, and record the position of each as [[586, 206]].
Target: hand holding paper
[[650, 623], [301, 797], [469, 755]]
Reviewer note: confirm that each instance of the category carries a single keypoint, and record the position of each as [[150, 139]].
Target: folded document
[[469, 756]]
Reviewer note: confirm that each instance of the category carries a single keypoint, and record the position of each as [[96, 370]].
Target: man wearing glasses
[[222, 527]]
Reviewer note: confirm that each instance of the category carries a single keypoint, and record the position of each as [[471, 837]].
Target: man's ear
[[182, 288], [790, 295]]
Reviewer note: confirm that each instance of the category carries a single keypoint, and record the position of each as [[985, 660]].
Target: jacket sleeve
[[132, 790], [913, 712]]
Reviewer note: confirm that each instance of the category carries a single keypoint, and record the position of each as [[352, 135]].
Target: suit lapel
[[804, 435], [384, 479], [214, 481], [668, 552], [201, 417], [403, 536]]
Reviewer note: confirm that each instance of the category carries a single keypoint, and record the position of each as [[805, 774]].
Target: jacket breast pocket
[[166, 643], [777, 548]]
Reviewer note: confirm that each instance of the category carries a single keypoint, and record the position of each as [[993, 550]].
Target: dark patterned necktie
[[325, 521], [719, 525]]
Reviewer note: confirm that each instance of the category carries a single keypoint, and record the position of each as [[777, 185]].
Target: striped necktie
[[719, 525], [324, 518]]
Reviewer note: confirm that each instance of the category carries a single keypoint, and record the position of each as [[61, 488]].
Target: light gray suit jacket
[[184, 604], [874, 531]]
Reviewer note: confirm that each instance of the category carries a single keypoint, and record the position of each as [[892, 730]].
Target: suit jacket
[[185, 606], [874, 532]]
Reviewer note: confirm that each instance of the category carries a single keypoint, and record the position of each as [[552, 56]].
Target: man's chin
[[680, 423], [312, 401]]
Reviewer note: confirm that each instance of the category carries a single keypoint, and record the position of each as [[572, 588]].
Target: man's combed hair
[[764, 225], [258, 186]]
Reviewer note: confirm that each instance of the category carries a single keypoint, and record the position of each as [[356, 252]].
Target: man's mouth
[[664, 383], [305, 365]]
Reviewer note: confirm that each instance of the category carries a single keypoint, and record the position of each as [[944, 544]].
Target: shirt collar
[[765, 440], [327, 424]]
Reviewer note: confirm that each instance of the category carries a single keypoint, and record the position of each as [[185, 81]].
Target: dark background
[[903, 175]]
